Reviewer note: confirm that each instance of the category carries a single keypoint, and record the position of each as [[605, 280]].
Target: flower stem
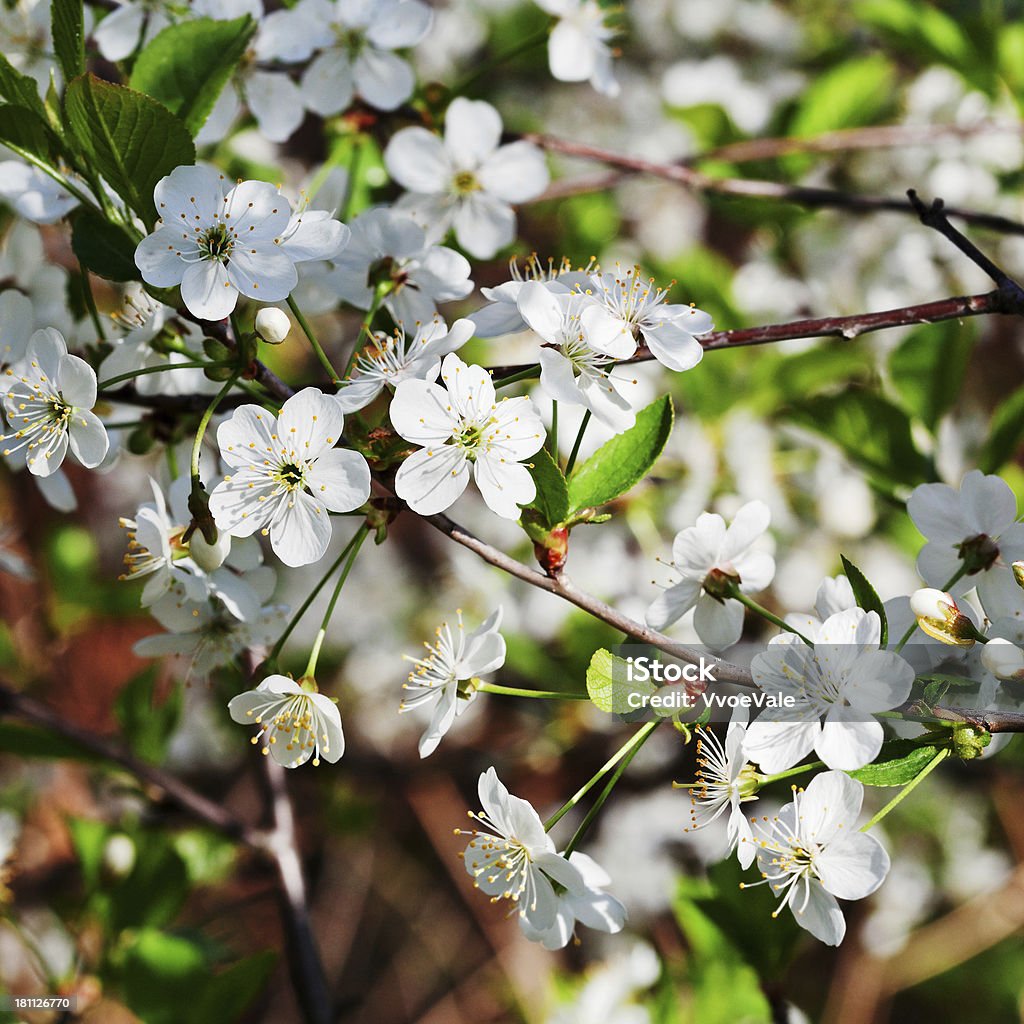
[[767, 780], [638, 741], [379, 295], [501, 58], [771, 617], [526, 374], [304, 607], [552, 445], [514, 691], [197, 444], [353, 550], [310, 334], [939, 757], [355, 158], [111, 381], [576, 444], [913, 626]]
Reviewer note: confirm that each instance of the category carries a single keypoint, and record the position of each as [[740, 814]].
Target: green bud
[[141, 440], [969, 741]]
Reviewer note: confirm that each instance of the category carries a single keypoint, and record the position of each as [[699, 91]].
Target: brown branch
[[753, 188], [200, 807], [844, 140]]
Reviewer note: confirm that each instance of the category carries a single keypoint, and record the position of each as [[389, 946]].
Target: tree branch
[[753, 188]]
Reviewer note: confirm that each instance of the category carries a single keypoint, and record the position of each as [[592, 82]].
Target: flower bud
[[938, 615], [1018, 573], [119, 855], [206, 555], [1005, 660], [272, 325]]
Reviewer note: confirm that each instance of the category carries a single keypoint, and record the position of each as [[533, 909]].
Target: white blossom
[[273, 325], [629, 309], [1003, 658], [129, 26], [453, 659], [468, 181], [810, 853], [296, 724], [465, 432], [287, 474], [47, 398], [388, 359], [836, 686], [217, 243], [33, 193], [578, 48], [511, 856], [711, 557]]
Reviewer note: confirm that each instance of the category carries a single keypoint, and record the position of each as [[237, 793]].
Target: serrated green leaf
[[928, 369], [23, 131], [866, 595], [872, 432], [187, 65], [1005, 433], [552, 500], [909, 761], [129, 138], [67, 22], [627, 458], [19, 89], [607, 683], [103, 248]]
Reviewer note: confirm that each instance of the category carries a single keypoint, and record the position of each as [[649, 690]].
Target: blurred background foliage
[[119, 897]]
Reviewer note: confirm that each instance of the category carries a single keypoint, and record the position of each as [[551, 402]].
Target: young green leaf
[[627, 458], [866, 595], [22, 131], [607, 683], [187, 65], [909, 761], [67, 22], [552, 500], [128, 137], [928, 369], [103, 248], [19, 89]]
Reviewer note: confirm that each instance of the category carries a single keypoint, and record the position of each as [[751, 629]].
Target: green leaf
[[866, 595], [147, 725], [130, 139], [617, 465], [19, 89], [909, 761], [22, 130], [187, 65], [226, 995], [103, 248], [154, 891], [872, 432], [854, 93], [67, 22], [552, 500], [928, 369], [28, 741], [89, 838], [608, 685], [1005, 433]]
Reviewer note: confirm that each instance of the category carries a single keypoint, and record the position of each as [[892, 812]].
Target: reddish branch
[[753, 188]]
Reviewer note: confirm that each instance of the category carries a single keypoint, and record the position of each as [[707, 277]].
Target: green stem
[[639, 739], [576, 444], [197, 444], [90, 302], [501, 58], [552, 445], [939, 757], [308, 331], [111, 381], [767, 780], [355, 158], [913, 627], [380, 293], [172, 462], [514, 691], [513, 378], [753, 606], [304, 607], [354, 545]]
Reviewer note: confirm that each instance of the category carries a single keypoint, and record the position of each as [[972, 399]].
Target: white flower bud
[[940, 617], [1005, 660], [209, 556], [119, 855], [1018, 573], [272, 325]]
